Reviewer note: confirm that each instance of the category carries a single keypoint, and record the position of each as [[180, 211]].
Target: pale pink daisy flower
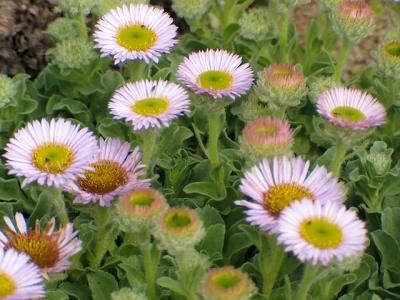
[[135, 32], [50, 153], [114, 172], [320, 233], [149, 104], [272, 187], [49, 249], [351, 108], [268, 136], [217, 73], [20, 279]]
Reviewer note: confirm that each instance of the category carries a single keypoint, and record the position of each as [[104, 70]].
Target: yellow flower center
[[227, 283], [150, 106], [107, 176], [282, 195], [52, 158], [283, 72], [42, 249], [348, 113], [226, 280], [136, 37], [178, 219], [321, 233], [7, 285], [266, 130], [215, 80], [393, 49]]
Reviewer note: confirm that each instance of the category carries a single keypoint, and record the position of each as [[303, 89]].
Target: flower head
[[353, 19], [135, 32], [147, 104], [216, 73], [139, 208], [50, 250], [76, 7], [388, 59], [272, 187], [114, 171], [320, 233], [254, 24], [103, 6], [351, 108], [128, 294], [266, 137], [62, 29], [19, 277], [191, 9], [8, 90], [179, 229], [51, 153], [227, 283]]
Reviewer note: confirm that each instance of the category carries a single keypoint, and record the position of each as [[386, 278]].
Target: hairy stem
[[306, 282], [343, 54]]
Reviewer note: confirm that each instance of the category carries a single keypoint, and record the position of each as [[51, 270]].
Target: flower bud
[[104, 6], [254, 24], [128, 294], [190, 9], [319, 85], [139, 209], [72, 54], [76, 7], [8, 90], [179, 229], [62, 29], [330, 4], [281, 85], [250, 109], [227, 283], [347, 264], [353, 19], [388, 59], [266, 137], [379, 157]]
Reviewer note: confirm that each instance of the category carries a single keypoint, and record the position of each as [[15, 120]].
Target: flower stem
[[283, 36], [338, 158], [271, 258], [149, 264], [59, 205], [213, 137], [149, 148], [137, 70], [104, 235], [343, 54], [306, 282]]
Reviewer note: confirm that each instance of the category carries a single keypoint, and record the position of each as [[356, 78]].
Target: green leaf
[[203, 188], [391, 222], [79, 291], [56, 295], [213, 242], [388, 249], [43, 207], [171, 284], [10, 190], [101, 284]]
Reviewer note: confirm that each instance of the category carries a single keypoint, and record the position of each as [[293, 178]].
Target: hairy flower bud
[[254, 24], [128, 294], [63, 29], [388, 59], [8, 90], [103, 6], [190, 9]]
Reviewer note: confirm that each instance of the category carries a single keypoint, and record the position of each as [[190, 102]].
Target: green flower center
[[215, 80], [393, 49], [226, 280], [178, 219], [7, 285], [107, 176], [282, 195], [283, 72], [321, 233], [136, 37], [52, 157], [347, 113], [267, 130], [150, 106], [42, 248], [141, 199]]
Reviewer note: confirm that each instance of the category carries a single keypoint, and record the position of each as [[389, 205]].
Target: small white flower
[[320, 233], [147, 104], [50, 153], [274, 187], [133, 32], [20, 279], [217, 73], [50, 250]]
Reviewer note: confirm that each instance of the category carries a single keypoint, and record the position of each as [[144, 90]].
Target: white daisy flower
[[217, 73], [133, 32], [320, 233], [114, 172], [50, 153], [50, 250], [351, 108], [274, 187], [20, 279], [148, 104]]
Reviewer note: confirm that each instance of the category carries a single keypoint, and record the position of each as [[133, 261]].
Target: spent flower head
[[72, 53], [8, 90], [227, 283], [353, 19], [254, 24], [191, 9]]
